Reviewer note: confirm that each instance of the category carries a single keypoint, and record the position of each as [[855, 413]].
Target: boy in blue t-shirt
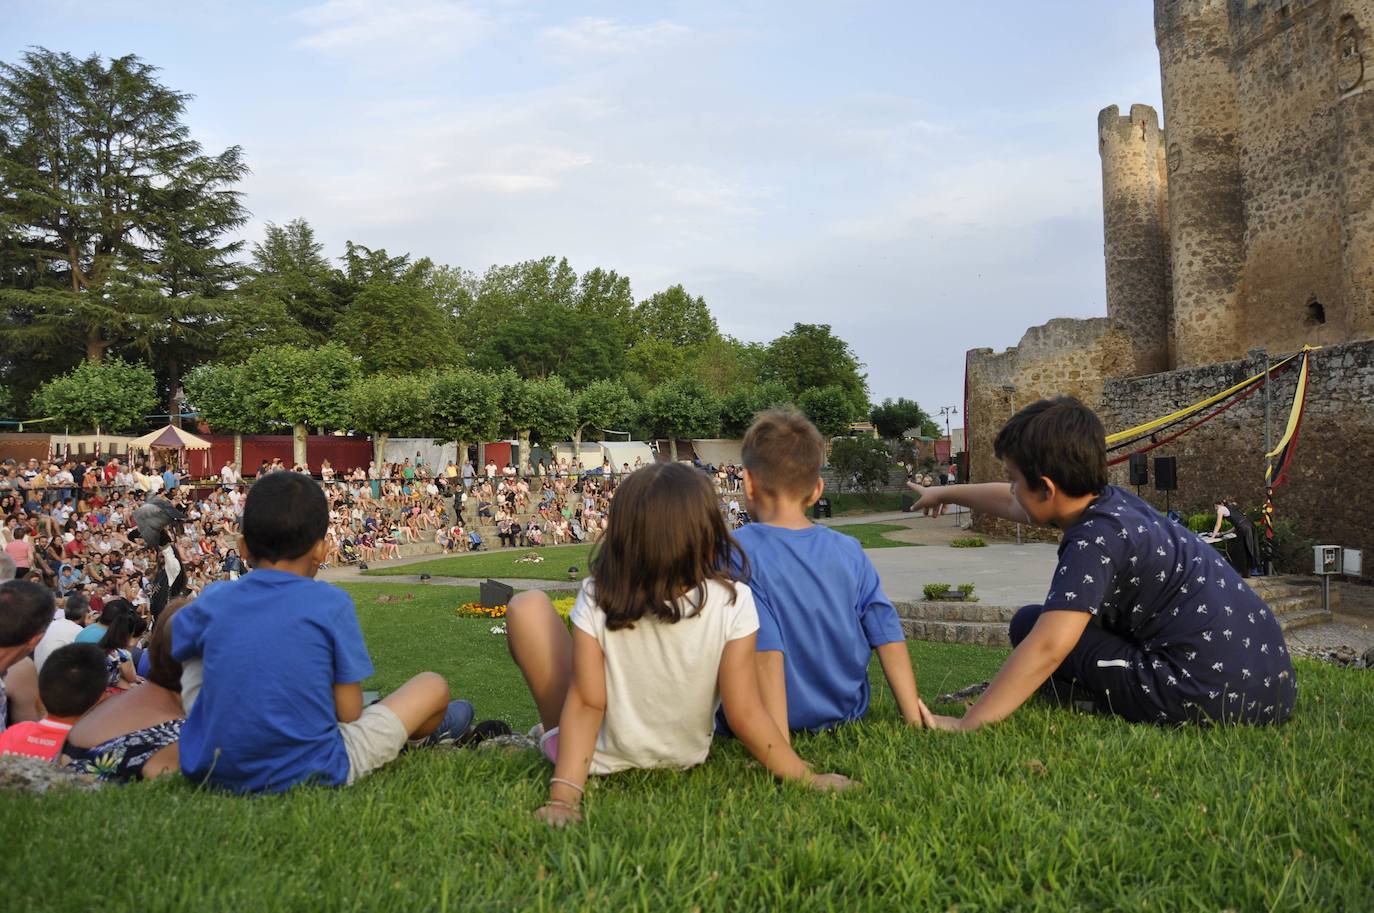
[[822, 610], [1143, 619], [281, 659]]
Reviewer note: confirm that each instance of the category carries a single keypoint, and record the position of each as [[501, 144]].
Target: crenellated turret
[[1135, 231]]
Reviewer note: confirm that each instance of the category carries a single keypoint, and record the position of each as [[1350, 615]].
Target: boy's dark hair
[[285, 514], [646, 566], [26, 609], [72, 679], [783, 453], [1061, 439]]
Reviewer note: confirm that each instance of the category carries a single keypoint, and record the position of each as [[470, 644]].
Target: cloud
[[589, 37], [410, 26]]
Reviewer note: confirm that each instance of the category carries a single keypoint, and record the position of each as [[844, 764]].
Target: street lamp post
[[945, 412]]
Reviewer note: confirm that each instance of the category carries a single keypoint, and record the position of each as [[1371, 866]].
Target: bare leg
[[542, 648], [420, 703]]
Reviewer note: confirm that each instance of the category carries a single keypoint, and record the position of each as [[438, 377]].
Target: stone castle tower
[[1248, 221]]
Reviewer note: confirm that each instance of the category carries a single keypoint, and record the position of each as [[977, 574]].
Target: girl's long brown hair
[[665, 538]]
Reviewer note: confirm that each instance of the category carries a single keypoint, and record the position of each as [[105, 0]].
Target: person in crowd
[[20, 551], [71, 683], [110, 611], [1143, 619], [26, 610], [134, 734], [659, 600], [274, 712], [118, 642], [65, 626], [822, 610], [1247, 550]]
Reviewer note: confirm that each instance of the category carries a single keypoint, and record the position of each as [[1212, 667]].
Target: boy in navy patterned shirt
[[1143, 618]]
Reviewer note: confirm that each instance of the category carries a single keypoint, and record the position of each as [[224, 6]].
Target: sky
[[921, 176]]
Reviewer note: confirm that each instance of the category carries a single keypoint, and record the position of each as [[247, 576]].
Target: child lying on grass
[[661, 636], [1143, 618]]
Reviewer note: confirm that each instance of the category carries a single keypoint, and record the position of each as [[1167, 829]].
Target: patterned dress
[[121, 759], [1176, 635]]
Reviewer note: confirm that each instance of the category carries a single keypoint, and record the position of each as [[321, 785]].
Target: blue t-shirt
[[820, 602], [274, 644]]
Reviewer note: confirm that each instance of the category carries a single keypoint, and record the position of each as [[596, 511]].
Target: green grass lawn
[[1049, 811], [558, 558], [855, 502]]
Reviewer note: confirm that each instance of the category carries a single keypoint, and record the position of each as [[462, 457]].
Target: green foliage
[[675, 317], [223, 396], [863, 461], [465, 405], [810, 355], [289, 269], [829, 409], [603, 404], [968, 542], [934, 591], [874, 535], [739, 406], [1202, 522], [396, 327], [391, 404], [114, 217], [1292, 546], [893, 418], [111, 395], [6, 401], [966, 589], [680, 408], [299, 386]]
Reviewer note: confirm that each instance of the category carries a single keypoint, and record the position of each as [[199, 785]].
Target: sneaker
[[487, 729], [457, 721]]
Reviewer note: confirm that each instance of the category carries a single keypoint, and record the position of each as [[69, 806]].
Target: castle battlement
[[1141, 125]]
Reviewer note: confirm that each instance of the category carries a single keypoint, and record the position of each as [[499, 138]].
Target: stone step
[[1282, 606], [957, 632], [955, 611], [1302, 619]]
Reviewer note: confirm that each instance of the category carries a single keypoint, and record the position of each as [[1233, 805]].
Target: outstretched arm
[[993, 498], [1054, 635], [896, 663], [752, 724], [583, 711]]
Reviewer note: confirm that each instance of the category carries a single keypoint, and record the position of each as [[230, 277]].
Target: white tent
[[719, 451], [435, 455], [622, 452]]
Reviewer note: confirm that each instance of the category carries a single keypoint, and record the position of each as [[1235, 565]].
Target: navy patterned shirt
[[1207, 641]]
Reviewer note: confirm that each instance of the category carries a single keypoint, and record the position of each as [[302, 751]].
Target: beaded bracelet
[[580, 790], [560, 804]]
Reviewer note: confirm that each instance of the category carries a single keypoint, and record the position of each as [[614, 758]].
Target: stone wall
[[1330, 490]]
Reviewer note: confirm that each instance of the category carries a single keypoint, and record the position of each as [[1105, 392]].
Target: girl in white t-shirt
[[662, 635]]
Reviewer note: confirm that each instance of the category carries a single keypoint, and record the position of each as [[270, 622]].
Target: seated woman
[[134, 734]]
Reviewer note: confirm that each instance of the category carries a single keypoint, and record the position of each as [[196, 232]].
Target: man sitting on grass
[[282, 659]]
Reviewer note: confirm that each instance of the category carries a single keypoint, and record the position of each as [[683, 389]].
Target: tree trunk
[[95, 348], [461, 457], [379, 447], [524, 467], [672, 448], [577, 445], [481, 456], [238, 452], [298, 435]]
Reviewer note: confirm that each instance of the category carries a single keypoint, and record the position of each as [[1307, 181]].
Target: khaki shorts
[[372, 740]]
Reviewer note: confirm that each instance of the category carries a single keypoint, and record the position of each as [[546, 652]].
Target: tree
[[893, 419], [541, 406], [113, 215], [302, 387], [675, 317], [865, 461], [829, 409], [724, 364], [464, 405], [387, 404], [289, 268], [682, 407], [224, 398], [112, 395], [809, 355], [397, 327], [739, 407], [599, 405]]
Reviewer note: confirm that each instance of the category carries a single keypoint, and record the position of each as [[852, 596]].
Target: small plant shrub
[[968, 542]]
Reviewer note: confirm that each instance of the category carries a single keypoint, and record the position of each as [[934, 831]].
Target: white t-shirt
[[662, 680], [60, 633]]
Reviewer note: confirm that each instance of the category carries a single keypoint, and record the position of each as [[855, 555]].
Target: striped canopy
[[172, 437]]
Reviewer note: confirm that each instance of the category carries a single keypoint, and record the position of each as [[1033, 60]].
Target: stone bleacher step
[[955, 612], [957, 632]]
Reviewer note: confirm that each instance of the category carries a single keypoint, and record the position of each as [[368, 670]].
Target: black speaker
[[961, 466], [495, 593], [1140, 469], [1166, 474]]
